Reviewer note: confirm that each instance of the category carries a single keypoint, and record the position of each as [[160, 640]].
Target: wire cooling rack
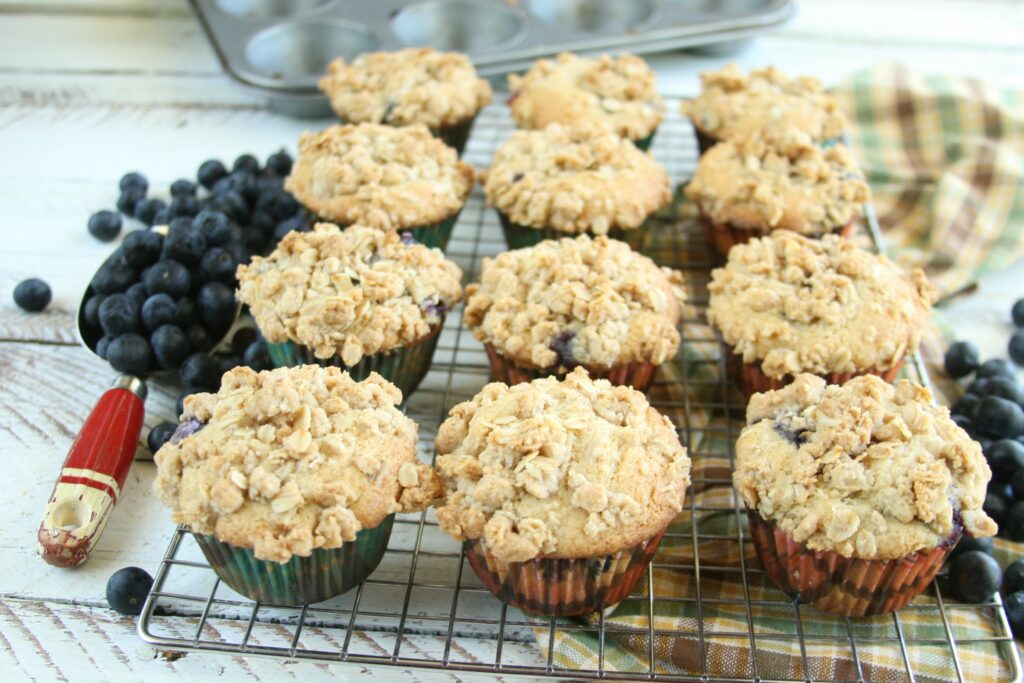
[[424, 608]]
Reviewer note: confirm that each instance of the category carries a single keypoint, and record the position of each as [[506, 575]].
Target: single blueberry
[[1005, 458], [963, 422], [961, 359], [996, 367], [214, 226], [968, 544], [964, 405], [161, 217], [979, 387], [210, 172], [232, 204], [147, 209], [1017, 313], [102, 346], [115, 275], [279, 163], [200, 371], [91, 310], [1016, 347], [183, 186], [186, 429], [1000, 417], [179, 223], [186, 315], [32, 295], [408, 239], [170, 346], [296, 224], [794, 437], [160, 435], [1006, 387], [198, 339], [278, 204], [995, 507], [1013, 577], [142, 248], [119, 314], [129, 199], [518, 176], [159, 310], [216, 305], [257, 357], [127, 590], [261, 222], [228, 363], [130, 353], [562, 346], [246, 162], [1014, 606], [1013, 522], [105, 225], [168, 277], [975, 577], [133, 181], [185, 246], [218, 265], [137, 293], [183, 205]]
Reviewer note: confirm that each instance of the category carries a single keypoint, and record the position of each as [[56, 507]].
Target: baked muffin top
[[732, 104], [575, 180], [614, 93], [382, 176], [415, 85], [349, 293], [866, 469], [766, 181], [583, 301], [289, 460], [577, 468], [795, 304]]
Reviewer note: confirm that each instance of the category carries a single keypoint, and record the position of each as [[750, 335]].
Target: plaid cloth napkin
[[944, 159]]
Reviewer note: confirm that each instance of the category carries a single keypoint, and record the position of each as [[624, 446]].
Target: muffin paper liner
[[704, 141], [723, 236], [519, 236], [432, 235], [640, 376], [456, 135], [644, 144], [843, 585], [555, 587], [324, 574], [403, 367]]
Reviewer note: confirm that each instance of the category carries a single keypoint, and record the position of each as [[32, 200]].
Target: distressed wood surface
[[92, 88]]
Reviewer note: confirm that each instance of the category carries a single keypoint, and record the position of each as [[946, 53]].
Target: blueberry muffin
[[590, 302], [440, 90], [290, 479], [384, 177], [786, 304], [362, 299], [559, 490], [561, 181], [732, 104], [613, 93], [857, 493]]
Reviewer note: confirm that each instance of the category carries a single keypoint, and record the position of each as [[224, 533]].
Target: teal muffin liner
[[432, 235], [455, 136], [404, 367], [519, 236], [644, 144], [322, 575]]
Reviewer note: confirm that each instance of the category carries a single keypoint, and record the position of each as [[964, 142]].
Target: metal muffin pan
[[280, 48]]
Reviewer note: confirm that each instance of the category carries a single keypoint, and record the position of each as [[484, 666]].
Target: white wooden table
[[92, 88]]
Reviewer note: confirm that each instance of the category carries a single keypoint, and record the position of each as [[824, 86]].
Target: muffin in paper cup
[[857, 493], [359, 299], [562, 181], [289, 479], [592, 303], [786, 304], [440, 90], [559, 490], [384, 177], [775, 180]]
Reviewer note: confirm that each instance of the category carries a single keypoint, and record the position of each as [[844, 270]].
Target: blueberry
[[963, 422], [32, 295], [1017, 313], [137, 293], [200, 371], [183, 205], [119, 315], [105, 225], [130, 353], [214, 226], [218, 265], [129, 199], [210, 172], [999, 417], [1005, 457], [183, 186], [979, 387], [187, 428], [180, 403], [244, 183], [168, 277], [115, 275], [159, 310], [179, 223], [231, 203], [562, 346], [964, 405], [1013, 522], [983, 441], [1017, 485], [170, 346], [186, 246], [216, 304], [968, 544], [975, 577], [198, 339], [255, 241], [279, 163], [246, 162], [1007, 388], [142, 248], [91, 310], [295, 223], [257, 357], [161, 217], [147, 209], [127, 590], [1016, 347], [159, 435], [262, 223], [278, 204], [996, 367], [1001, 489], [229, 363], [995, 507], [1013, 577], [102, 346], [1014, 606], [133, 181], [961, 359], [186, 315]]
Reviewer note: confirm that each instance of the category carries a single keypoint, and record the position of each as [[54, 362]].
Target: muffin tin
[[280, 48]]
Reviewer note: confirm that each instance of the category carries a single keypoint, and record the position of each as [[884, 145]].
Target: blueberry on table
[[200, 371], [129, 199], [1014, 606], [198, 339], [210, 172], [246, 162], [1013, 577], [168, 277], [1005, 458], [968, 544], [32, 295], [1016, 347], [119, 314], [1017, 312], [186, 246], [115, 275], [996, 367], [975, 577], [218, 265], [158, 310], [961, 359], [1013, 522], [142, 247], [998, 416], [216, 304], [995, 507], [133, 181], [159, 435], [170, 346], [214, 226], [127, 590], [257, 357], [105, 225], [130, 353], [183, 186]]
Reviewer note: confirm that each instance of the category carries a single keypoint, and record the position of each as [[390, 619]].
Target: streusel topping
[[614, 93], [576, 468], [795, 304], [349, 293], [386, 177], [866, 469], [293, 459], [415, 85], [575, 180], [732, 104], [767, 181], [585, 301]]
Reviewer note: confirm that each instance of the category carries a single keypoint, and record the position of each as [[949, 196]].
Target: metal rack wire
[[424, 609]]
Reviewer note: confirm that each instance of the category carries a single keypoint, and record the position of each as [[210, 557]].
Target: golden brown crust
[[795, 304], [293, 459], [576, 468], [614, 93], [349, 293], [866, 469], [415, 85], [386, 177]]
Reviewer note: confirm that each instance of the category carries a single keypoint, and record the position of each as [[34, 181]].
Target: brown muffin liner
[[843, 585], [640, 376], [723, 236], [751, 379], [562, 587]]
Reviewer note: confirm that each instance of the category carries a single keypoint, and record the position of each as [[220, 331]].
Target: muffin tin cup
[[519, 236], [640, 376], [723, 236], [562, 587], [324, 574], [843, 585], [403, 367]]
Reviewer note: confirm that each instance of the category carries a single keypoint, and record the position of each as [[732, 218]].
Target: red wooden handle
[[92, 476]]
